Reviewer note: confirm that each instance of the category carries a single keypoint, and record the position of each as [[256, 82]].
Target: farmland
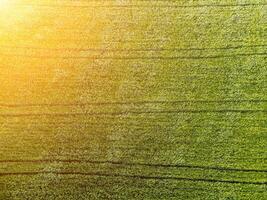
[[133, 100]]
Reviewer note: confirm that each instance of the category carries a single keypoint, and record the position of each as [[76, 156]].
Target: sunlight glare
[[3, 3]]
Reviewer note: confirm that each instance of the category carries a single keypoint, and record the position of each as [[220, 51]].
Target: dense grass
[[133, 100]]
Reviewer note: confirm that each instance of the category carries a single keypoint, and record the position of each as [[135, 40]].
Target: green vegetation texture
[[134, 100]]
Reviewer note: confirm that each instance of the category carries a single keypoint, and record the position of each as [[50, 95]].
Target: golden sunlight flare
[[3, 2], [42, 47]]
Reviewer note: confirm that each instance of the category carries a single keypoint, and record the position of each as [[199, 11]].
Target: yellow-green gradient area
[[133, 99]]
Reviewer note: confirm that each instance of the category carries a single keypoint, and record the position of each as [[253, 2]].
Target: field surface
[[117, 99]]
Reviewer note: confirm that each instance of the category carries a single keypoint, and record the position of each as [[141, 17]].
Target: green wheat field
[[133, 99]]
